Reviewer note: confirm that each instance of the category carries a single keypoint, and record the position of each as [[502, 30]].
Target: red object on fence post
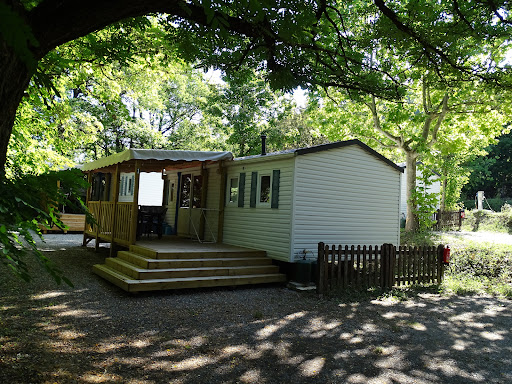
[[446, 256]]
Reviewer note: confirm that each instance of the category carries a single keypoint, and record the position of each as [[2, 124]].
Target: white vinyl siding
[[344, 196], [261, 227]]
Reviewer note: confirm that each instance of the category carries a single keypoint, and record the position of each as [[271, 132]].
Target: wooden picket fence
[[448, 219], [383, 267]]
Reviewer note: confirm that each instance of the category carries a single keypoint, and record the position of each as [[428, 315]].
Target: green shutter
[[254, 186], [241, 190], [121, 190], [275, 188], [133, 183]]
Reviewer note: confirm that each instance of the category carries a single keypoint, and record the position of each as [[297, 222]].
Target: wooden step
[[205, 253], [147, 263], [132, 285], [143, 274]]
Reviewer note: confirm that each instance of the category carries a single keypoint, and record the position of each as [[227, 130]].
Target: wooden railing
[[94, 209], [385, 266], [123, 221], [103, 213]]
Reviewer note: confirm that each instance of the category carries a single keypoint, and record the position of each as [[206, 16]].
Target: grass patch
[[418, 239], [477, 268]]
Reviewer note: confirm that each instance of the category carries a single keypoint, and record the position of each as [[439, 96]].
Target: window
[[186, 184], [233, 190], [197, 191], [165, 196], [264, 189], [130, 186]]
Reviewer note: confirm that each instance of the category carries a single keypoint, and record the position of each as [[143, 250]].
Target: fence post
[[440, 264], [386, 266], [320, 286], [383, 265]]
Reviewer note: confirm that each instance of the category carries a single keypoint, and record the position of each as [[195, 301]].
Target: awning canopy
[[156, 156]]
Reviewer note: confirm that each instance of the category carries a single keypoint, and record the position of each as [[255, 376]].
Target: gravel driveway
[[480, 236], [96, 333]]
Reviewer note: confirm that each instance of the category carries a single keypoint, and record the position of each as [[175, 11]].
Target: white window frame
[[259, 203], [228, 194]]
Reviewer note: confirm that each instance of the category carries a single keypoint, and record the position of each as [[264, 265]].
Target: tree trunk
[[13, 82], [412, 223]]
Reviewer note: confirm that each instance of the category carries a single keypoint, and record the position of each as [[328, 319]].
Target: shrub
[[478, 268], [489, 221]]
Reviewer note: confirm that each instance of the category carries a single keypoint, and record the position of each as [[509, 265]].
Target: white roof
[[158, 155]]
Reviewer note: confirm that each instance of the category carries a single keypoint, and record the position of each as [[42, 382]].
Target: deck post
[[222, 199], [98, 223], [114, 210], [88, 193], [135, 204]]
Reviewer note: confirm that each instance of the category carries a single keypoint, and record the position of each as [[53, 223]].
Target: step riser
[[134, 259], [109, 276], [195, 272], [206, 273], [169, 264], [154, 286], [142, 262], [207, 255], [143, 269], [131, 285], [194, 255]]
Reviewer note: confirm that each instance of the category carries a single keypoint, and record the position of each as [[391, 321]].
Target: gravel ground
[[96, 333]]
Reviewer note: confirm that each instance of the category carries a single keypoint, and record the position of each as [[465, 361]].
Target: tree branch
[[55, 22], [377, 125], [440, 119]]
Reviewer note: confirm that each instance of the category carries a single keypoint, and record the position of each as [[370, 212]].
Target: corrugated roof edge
[[324, 147], [156, 154], [340, 144]]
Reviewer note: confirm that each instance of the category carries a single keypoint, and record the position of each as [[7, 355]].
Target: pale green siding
[[261, 227], [212, 204], [344, 196]]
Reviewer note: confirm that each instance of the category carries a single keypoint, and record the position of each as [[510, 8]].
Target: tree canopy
[[352, 45], [374, 52]]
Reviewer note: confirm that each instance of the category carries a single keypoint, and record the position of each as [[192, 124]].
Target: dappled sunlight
[[100, 378], [48, 295], [252, 376], [494, 336], [312, 367], [178, 338], [70, 335], [191, 363], [449, 367]]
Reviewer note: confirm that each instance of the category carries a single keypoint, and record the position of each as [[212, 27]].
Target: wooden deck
[[175, 263]]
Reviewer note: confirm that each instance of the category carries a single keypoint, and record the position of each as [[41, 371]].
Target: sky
[[298, 94]]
